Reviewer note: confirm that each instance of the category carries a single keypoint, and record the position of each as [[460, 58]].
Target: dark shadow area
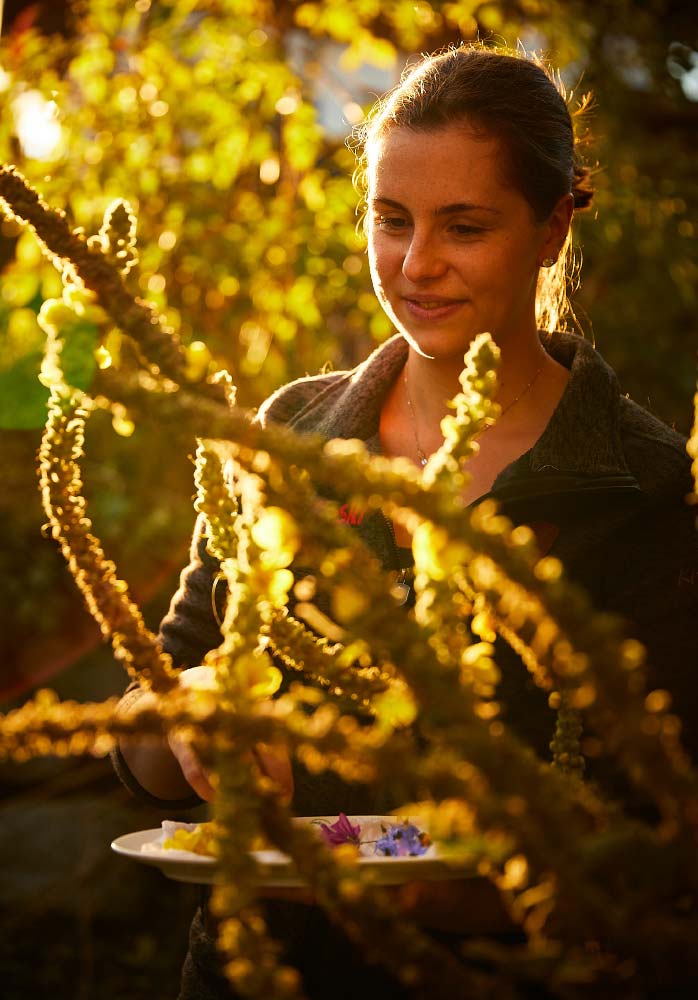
[[80, 922]]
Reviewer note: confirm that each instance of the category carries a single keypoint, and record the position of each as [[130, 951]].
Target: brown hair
[[514, 97]]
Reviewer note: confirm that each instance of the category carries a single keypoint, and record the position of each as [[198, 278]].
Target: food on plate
[[370, 835], [401, 839], [198, 838]]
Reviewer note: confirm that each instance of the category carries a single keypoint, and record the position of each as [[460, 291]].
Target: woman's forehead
[[456, 163]]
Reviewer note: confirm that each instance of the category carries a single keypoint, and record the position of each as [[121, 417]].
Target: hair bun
[[582, 189]]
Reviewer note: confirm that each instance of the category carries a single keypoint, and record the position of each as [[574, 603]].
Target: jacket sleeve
[[653, 572], [188, 631], [190, 628]]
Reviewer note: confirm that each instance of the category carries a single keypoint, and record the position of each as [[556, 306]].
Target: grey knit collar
[[582, 436]]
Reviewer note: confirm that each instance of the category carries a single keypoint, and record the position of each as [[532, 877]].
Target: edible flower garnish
[[341, 832], [402, 840], [199, 840]]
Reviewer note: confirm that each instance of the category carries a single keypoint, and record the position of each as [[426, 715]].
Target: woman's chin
[[438, 345]]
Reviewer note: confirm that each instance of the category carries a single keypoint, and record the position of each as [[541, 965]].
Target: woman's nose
[[423, 259]]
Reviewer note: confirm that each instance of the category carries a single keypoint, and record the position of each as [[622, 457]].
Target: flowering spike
[[474, 412], [118, 235], [106, 596], [85, 263]]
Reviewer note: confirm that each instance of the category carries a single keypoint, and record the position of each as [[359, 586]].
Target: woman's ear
[[556, 228]]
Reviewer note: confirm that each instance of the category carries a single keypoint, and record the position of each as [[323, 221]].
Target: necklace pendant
[[401, 593], [423, 460], [402, 586]]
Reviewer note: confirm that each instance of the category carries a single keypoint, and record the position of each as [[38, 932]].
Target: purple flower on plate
[[341, 832], [402, 840]]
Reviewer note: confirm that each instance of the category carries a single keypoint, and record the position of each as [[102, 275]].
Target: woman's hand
[[195, 679], [273, 761], [194, 772], [150, 762], [169, 768]]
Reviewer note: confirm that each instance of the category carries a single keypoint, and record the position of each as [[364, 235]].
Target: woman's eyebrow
[[466, 206], [461, 206]]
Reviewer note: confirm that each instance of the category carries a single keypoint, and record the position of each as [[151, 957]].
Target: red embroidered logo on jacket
[[350, 514]]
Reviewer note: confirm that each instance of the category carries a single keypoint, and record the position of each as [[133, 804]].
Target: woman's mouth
[[433, 309]]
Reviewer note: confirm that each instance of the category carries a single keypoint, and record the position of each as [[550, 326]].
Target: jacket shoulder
[[655, 452], [289, 401]]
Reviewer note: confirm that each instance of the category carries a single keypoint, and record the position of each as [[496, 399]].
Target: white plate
[[276, 869]]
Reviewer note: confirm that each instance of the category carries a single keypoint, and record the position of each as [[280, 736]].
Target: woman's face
[[454, 250]]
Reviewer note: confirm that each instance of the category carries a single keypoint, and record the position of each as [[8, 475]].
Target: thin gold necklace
[[423, 459]]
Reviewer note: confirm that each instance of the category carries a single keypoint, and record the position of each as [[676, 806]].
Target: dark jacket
[[604, 489]]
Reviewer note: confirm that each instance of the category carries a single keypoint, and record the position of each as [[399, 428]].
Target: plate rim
[[277, 868]]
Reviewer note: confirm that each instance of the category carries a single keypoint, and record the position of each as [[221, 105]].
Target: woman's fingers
[[194, 679], [276, 764], [195, 774], [273, 761]]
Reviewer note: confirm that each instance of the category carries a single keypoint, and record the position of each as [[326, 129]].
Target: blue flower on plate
[[402, 840]]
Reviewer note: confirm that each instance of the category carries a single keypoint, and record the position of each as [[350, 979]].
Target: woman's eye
[[391, 222], [461, 229]]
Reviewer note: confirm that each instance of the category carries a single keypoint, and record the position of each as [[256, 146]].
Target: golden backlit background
[[224, 122]]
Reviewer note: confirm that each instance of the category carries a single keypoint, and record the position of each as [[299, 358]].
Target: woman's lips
[[433, 309]]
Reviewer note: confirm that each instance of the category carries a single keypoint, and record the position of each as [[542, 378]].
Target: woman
[[471, 182]]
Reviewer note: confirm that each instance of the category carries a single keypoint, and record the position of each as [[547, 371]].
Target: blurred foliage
[[203, 114]]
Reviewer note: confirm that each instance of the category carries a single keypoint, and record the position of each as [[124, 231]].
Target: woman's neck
[[522, 376], [412, 412]]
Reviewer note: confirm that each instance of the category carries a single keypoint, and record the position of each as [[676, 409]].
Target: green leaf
[[23, 398], [78, 355]]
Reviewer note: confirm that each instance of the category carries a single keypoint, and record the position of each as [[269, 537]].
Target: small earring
[[548, 261]]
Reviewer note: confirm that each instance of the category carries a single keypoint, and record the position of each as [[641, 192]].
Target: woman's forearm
[[170, 769], [152, 762]]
